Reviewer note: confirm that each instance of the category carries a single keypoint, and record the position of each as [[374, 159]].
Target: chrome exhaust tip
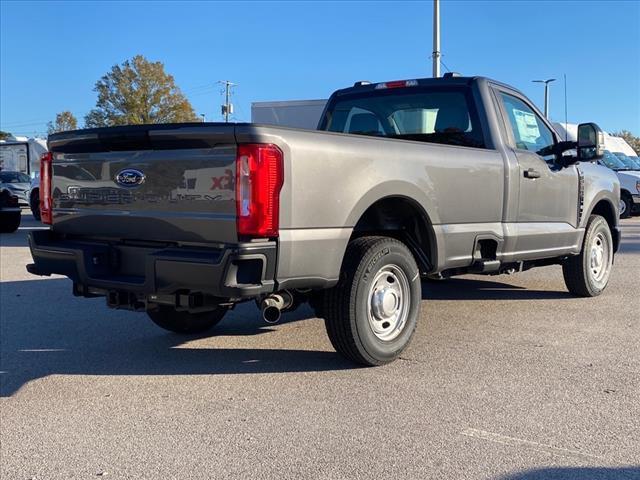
[[271, 314], [273, 305]]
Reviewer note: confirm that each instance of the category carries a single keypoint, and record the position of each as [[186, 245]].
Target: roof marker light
[[397, 84]]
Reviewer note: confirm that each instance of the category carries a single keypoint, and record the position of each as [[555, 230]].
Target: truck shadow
[[576, 473], [465, 288], [46, 331]]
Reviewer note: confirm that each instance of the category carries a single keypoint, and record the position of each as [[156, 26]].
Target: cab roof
[[449, 79]]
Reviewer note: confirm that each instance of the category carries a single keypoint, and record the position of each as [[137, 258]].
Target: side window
[[529, 131]]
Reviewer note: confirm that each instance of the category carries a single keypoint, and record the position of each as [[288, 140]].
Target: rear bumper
[[236, 271]]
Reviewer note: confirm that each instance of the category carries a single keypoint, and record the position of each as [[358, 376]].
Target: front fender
[[600, 184]]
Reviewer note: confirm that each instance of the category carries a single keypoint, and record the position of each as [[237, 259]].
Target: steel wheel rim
[[388, 303], [623, 207], [599, 259]]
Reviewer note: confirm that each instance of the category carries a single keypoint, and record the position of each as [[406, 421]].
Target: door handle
[[531, 173]]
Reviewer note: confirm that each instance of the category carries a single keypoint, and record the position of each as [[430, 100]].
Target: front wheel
[[34, 204], [587, 274], [185, 322], [625, 206], [372, 312], [9, 222]]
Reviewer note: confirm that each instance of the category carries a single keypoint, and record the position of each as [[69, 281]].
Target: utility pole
[[436, 38], [227, 108], [546, 94]]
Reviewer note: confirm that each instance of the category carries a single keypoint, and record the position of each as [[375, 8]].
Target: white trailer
[[294, 113], [22, 154], [619, 144]]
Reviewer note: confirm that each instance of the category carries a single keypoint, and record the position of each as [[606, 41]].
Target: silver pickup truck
[[403, 180]]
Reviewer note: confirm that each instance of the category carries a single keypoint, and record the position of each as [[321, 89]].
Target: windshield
[[627, 161], [423, 114], [635, 160], [14, 177], [611, 161]]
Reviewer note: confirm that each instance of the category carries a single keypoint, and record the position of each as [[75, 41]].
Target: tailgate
[[165, 183]]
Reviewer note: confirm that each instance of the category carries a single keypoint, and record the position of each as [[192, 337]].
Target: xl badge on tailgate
[[130, 177]]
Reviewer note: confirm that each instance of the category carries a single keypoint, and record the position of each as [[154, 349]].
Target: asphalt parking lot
[[508, 377]]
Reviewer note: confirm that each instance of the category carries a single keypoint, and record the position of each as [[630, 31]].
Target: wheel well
[[625, 193], [404, 219], [606, 210]]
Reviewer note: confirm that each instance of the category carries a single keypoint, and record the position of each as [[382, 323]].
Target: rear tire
[[372, 313], [185, 322], [587, 274], [9, 222]]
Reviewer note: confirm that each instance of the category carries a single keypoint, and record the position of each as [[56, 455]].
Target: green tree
[[64, 121], [138, 91], [4, 135], [630, 138]]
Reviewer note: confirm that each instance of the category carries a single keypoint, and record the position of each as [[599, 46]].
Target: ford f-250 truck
[[404, 179]]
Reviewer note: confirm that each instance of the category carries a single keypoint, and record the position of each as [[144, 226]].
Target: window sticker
[[527, 125]]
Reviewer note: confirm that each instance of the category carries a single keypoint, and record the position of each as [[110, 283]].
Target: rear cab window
[[428, 114]]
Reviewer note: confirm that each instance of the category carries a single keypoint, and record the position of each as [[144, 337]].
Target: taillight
[[46, 214], [259, 178]]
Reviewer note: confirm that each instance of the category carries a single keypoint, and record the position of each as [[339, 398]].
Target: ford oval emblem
[[130, 177]]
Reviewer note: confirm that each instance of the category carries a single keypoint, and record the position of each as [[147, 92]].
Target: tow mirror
[[590, 142]]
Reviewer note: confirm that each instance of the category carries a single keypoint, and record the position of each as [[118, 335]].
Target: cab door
[[547, 213]]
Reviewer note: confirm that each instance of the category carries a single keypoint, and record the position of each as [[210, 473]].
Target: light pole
[[436, 38], [546, 94]]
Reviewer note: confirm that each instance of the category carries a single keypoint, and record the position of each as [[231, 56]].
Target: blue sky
[[51, 54]]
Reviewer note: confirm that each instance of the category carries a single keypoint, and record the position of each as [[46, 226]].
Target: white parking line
[[519, 442]]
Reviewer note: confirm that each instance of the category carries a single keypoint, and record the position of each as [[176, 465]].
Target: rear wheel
[[587, 274], [185, 322], [9, 222], [372, 313]]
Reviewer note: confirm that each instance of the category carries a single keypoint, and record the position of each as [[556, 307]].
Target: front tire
[[587, 274], [34, 204], [626, 204], [372, 313], [9, 222], [185, 322]]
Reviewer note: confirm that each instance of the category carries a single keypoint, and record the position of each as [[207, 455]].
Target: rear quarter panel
[[331, 179]]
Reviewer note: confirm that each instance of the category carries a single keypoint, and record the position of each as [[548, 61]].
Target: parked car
[[9, 211], [18, 183], [630, 163], [629, 183], [442, 176]]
